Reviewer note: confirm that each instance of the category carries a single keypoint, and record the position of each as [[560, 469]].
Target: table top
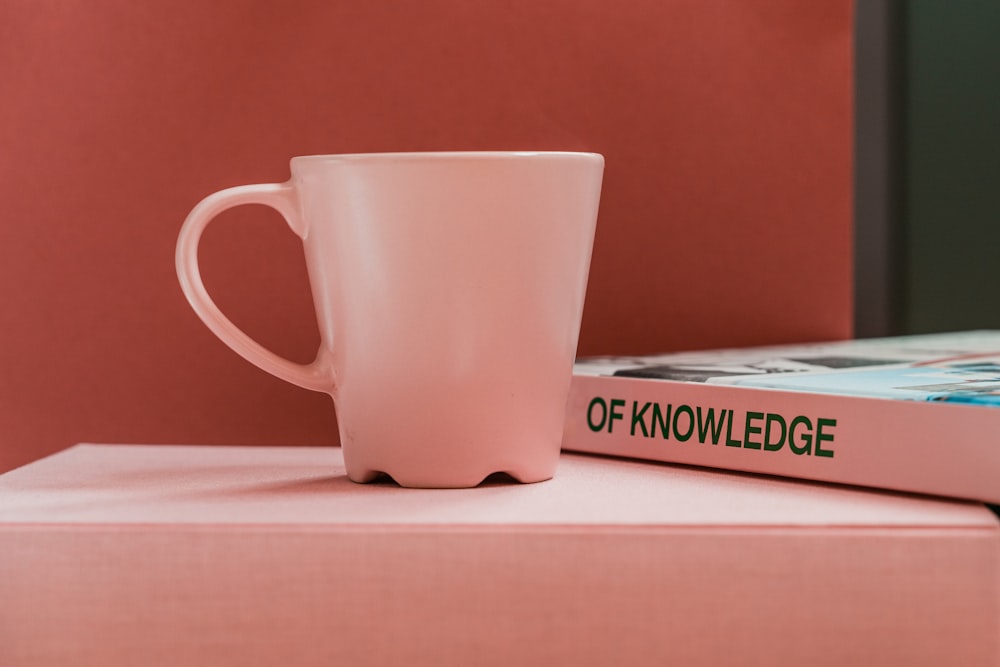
[[307, 486]]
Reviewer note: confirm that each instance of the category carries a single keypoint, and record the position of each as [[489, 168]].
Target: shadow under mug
[[448, 290]]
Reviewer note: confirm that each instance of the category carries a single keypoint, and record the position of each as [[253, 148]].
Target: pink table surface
[[158, 555], [307, 485]]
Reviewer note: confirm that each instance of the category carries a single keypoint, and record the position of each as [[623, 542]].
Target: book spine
[[915, 446]]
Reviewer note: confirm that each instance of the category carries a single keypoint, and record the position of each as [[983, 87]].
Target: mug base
[[417, 481]]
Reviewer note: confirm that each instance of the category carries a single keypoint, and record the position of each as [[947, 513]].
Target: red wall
[[725, 218]]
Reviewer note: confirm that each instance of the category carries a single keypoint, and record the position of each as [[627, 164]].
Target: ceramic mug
[[448, 289]]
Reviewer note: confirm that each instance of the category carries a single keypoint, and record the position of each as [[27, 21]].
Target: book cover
[[912, 413], [164, 555]]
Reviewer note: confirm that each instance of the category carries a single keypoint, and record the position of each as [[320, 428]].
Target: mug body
[[449, 291]]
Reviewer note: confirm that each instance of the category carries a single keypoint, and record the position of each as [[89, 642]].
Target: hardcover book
[[913, 413], [119, 555]]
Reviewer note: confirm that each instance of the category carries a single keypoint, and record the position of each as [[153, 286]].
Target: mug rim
[[424, 155]]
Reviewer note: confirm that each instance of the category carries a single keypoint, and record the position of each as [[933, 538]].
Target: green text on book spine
[[764, 431]]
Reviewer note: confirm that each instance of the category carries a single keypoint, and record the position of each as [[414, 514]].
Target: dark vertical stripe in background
[[928, 166]]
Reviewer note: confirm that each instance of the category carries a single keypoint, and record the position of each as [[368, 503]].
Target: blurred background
[[927, 192], [777, 171]]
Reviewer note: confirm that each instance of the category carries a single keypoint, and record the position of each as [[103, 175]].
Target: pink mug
[[448, 289]]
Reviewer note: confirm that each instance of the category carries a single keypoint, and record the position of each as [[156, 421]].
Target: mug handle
[[317, 375]]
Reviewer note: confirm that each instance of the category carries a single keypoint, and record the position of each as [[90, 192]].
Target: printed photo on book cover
[[962, 368]]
